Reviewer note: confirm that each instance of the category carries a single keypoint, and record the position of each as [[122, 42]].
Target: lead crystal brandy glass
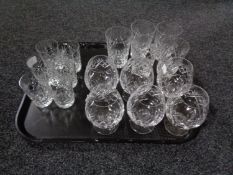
[[118, 40], [145, 108], [187, 112], [41, 95], [143, 31], [137, 72], [100, 70], [174, 76], [104, 109]]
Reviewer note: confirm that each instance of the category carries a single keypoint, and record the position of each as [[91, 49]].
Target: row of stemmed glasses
[[184, 104], [53, 74]]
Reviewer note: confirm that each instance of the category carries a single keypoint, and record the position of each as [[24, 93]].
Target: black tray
[[54, 124]]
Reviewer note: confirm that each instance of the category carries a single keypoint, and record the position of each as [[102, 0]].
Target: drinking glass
[[143, 31], [41, 95], [104, 109], [38, 69], [61, 71], [136, 72], [71, 50], [145, 108], [64, 95], [118, 40], [47, 50], [100, 70], [174, 76], [166, 31], [170, 47], [187, 112]]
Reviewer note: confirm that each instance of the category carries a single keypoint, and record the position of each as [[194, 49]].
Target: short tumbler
[[118, 40], [104, 109], [174, 76], [145, 108], [100, 70], [187, 112], [41, 95]]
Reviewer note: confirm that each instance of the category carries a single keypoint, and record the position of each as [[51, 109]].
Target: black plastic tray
[[54, 124]]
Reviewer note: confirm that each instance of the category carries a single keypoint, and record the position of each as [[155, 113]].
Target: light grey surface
[[209, 28]]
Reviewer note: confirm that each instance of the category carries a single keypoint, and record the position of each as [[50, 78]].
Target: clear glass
[[41, 95], [146, 108], [174, 76], [38, 69], [71, 50], [104, 109], [100, 70], [47, 50], [137, 72], [188, 111], [64, 96], [118, 40], [143, 32], [170, 47], [166, 32], [62, 71]]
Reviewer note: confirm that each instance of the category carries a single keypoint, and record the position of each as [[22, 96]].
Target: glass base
[[67, 105], [174, 130], [139, 129], [105, 131]]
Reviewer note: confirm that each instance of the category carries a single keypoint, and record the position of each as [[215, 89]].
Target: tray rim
[[29, 137]]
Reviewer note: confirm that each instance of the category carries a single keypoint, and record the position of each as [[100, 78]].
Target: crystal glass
[[47, 50], [61, 71], [64, 95], [170, 29], [187, 112], [71, 50], [41, 95], [170, 47], [118, 40], [145, 108], [174, 76], [100, 70], [137, 72], [143, 31], [38, 69], [104, 109], [166, 34]]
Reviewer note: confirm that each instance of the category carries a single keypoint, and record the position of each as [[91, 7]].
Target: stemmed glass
[[145, 108], [174, 76], [100, 70], [41, 95], [137, 72], [118, 40], [143, 31], [104, 109], [186, 112]]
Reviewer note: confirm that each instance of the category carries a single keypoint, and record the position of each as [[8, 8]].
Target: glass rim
[[165, 22], [132, 26], [44, 41], [109, 30], [204, 91], [181, 58]]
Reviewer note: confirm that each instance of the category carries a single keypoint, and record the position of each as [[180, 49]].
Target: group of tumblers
[[131, 56]]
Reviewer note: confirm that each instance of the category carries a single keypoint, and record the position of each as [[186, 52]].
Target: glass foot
[[139, 129], [105, 131], [174, 130]]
